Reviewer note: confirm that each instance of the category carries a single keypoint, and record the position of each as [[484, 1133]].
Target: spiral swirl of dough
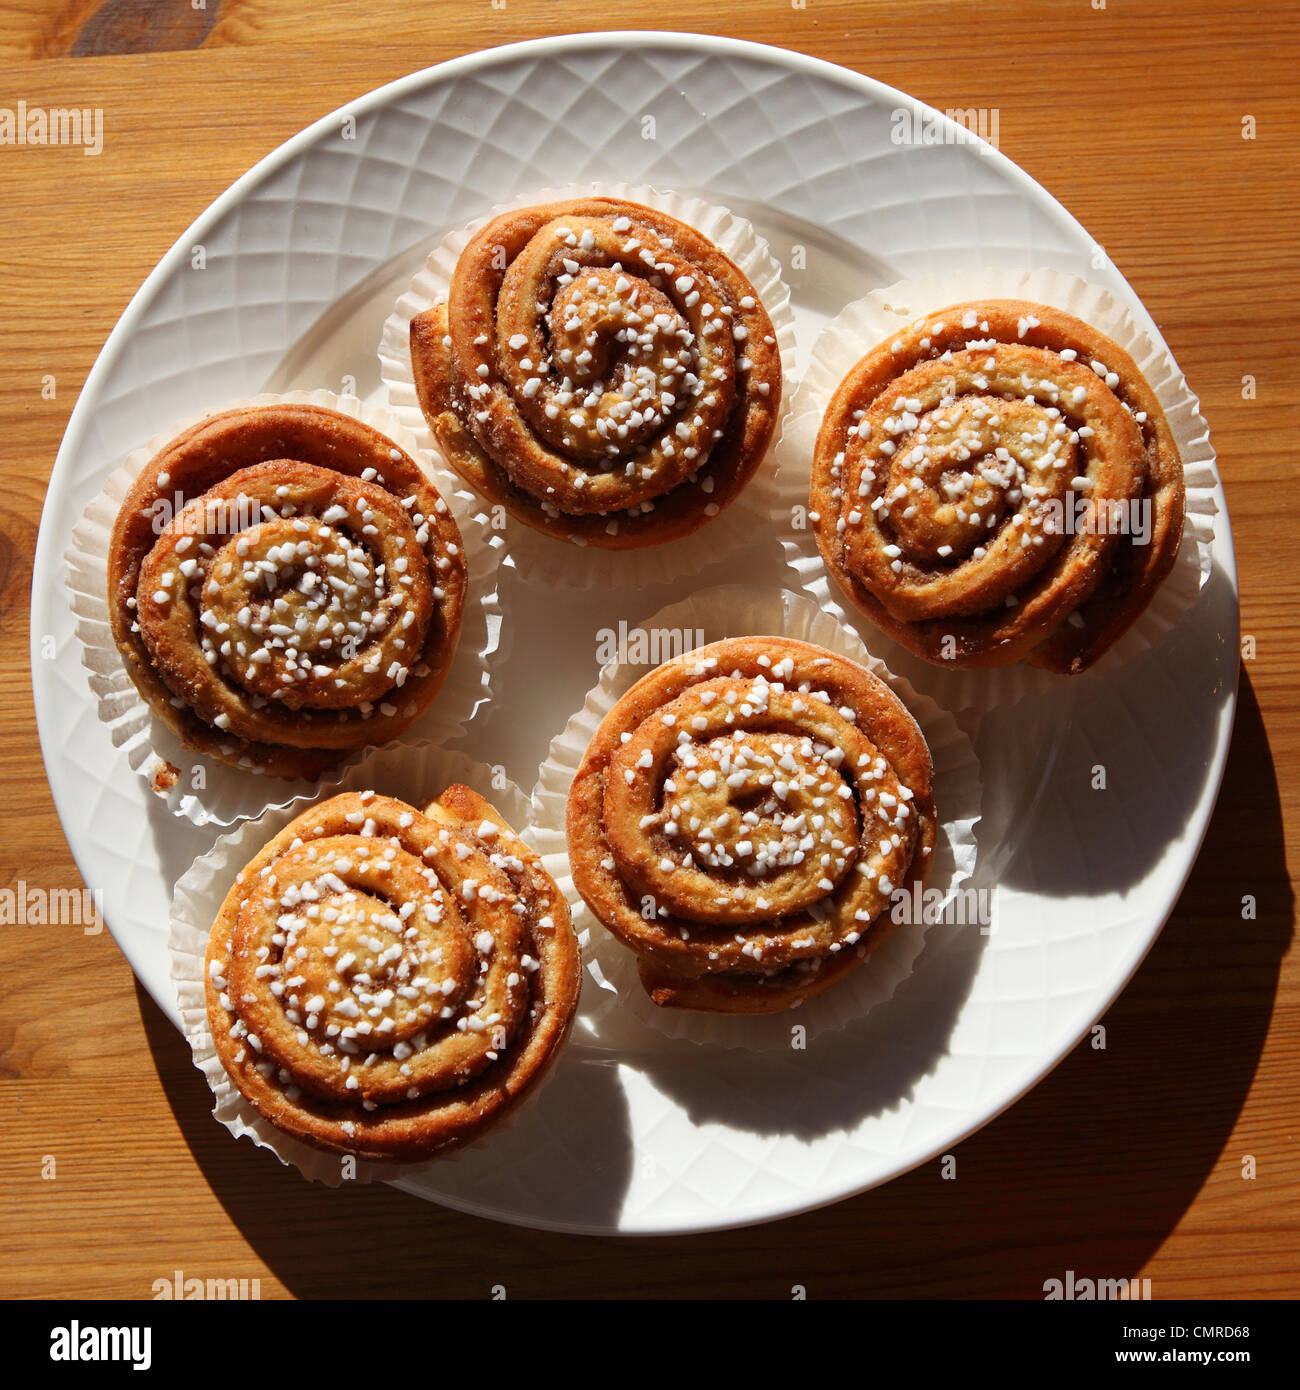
[[743, 817], [285, 586], [998, 483], [386, 981], [601, 369]]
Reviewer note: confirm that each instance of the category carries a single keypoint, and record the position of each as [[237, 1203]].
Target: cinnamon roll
[[998, 483], [743, 817], [285, 586], [601, 370], [389, 982]]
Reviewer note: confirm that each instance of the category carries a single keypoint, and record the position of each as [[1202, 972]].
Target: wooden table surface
[[1124, 1162]]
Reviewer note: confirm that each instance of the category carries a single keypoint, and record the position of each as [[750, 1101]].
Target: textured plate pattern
[[641, 1141]]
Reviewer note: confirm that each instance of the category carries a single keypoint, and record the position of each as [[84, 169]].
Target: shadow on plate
[[777, 1096], [1134, 754]]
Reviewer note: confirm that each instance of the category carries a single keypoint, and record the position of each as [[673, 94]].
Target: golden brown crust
[[743, 817], [227, 635], [601, 370], [998, 483], [388, 982]]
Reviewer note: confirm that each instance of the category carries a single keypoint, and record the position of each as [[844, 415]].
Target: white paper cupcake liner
[[231, 793], [738, 611], [862, 325], [415, 775], [535, 555]]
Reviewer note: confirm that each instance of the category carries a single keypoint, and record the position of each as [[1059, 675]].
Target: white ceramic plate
[[304, 257]]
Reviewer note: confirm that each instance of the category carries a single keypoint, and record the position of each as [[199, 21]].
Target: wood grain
[[1124, 1161]]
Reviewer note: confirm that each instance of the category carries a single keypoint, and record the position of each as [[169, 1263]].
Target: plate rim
[[48, 598]]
